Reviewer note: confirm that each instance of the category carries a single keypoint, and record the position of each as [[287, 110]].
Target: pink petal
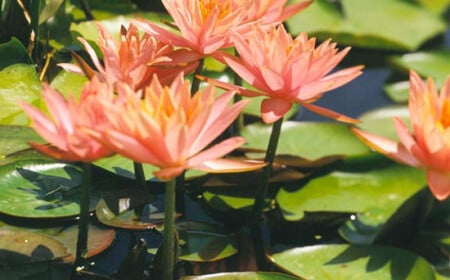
[[168, 173], [272, 109], [293, 9], [408, 141], [225, 165], [273, 80], [161, 34], [439, 183], [329, 113], [216, 151], [387, 147]]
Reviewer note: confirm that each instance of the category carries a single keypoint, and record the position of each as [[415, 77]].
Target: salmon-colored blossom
[[168, 128], [134, 59], [428, 147], [62, 127], [205, 25], [287, 70]]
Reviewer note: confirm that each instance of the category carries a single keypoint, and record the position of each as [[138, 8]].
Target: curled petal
[[272, 109]]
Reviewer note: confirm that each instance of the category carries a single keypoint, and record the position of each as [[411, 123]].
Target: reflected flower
[[428, 147], [61, 128]]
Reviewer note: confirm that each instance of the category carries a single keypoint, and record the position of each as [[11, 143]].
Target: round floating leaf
[[20, 247], [40, 189], [381, 191], [16, 138], [127, 217], [434, 64], [398, 92], [69, 84], [241, 276], [18, 82], [308, 140], [354, 262], [198, 246], [13, 52], [380, 121], [229, 199], [384, 24], [99, 239]]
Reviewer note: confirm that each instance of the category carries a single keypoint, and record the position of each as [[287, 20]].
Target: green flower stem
[[140, 182], [261, 193], [195, 81], [81, 254], [168, 247], [180, 202]]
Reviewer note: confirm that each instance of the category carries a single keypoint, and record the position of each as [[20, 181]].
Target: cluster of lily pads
[[335, 209]]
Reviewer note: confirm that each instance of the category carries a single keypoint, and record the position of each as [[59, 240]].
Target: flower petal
[[226, 165], [329, 113], [216, 151], [439, 183], [272, 109]]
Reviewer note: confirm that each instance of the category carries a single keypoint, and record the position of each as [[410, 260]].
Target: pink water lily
[[62, 127], [428, 147], [287, 70], [168, 128], [134, 59], [204, 25]]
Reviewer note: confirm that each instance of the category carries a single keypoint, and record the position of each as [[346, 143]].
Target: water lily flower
[[61, 128], [204, 25], [287, 71], [428, 147], [134, 59], [273, 12], [167, 127]]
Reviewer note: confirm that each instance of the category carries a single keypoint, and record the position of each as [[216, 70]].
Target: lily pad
[[381, 191], [241, 276], [69, 84], [13, 52], [20, 247], [18, 82], [15, 138], [199, 246], [308, 140], [126, 216], [380, 121], [40, 189], [381, 24], [353, 262]]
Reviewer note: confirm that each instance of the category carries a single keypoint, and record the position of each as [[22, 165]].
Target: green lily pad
[[136, 218], [308, 140], [398, 92], [381, 191], [434, 64], [15, 138], [20, 247], [13, 52], [436, 6], [380, 121], [381, 24], [40, 189], [200, 246], [69, 84], [18, 82], [241, 276], [353, 262]]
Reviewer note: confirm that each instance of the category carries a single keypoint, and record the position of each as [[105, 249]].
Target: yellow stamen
[[206, 6], [444, 118]]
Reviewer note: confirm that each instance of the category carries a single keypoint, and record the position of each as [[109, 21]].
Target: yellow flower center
[[206, 6], [444, 118]]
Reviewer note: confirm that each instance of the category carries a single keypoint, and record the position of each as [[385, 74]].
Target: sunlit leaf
[[308, 140], [18, 82], [381, 24], [353, 262], [16, 138], [69, 84], [381, 191]]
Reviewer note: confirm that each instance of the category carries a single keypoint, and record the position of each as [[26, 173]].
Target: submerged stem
[[168, 247], [81, 254]]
